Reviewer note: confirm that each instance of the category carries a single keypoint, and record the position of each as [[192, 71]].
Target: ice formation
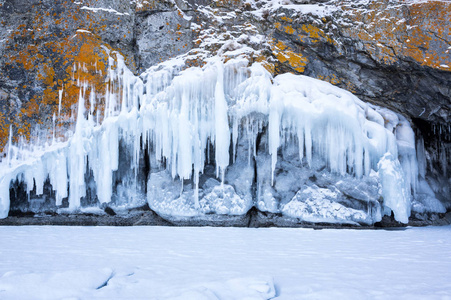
[[230, 116], [394, 188]]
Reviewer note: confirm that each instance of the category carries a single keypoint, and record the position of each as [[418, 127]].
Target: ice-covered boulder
[[314, 204]]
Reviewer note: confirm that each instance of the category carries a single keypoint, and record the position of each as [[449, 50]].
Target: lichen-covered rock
[[48, 49], [394, 53]]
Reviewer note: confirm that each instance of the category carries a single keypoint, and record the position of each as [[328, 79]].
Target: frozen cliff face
[[394, 54], [221, 139]]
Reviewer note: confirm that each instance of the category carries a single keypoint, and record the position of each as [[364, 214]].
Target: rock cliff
[[391, 53]]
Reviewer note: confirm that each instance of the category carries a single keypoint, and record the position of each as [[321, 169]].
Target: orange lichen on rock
[[87, 66], [330, 78], [286, 19], [287, 29], [419, 31], [285, 54], [306, 33], [270, 67], [303, 33], [46, 55], [4, 131], [313, 34], [64, 64]]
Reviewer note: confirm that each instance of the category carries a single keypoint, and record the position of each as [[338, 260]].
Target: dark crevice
[[109, 211], [147, 13], [106, 282], [252, 215], [145, 163]]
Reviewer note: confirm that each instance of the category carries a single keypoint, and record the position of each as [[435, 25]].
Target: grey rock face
[[160, 36], [394, 80], [114, 22]]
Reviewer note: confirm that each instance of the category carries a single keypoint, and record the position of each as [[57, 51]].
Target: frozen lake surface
[[223, 263]]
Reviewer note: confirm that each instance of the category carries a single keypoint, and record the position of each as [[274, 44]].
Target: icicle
[[443, 158], [58, 176], [196, 190], [10, 146], [60, 97], [274, 133], [77, 159], [421, 157], [54, 129], [222, 132], [184, 148], [74, 69], [92, 100], [308, 143], [234, 138], [249, 132], [107, 101]]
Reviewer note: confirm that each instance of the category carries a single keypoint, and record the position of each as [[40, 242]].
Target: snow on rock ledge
[[223, 138]]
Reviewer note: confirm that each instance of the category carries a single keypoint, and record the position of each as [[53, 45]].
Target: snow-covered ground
[[223, 263]]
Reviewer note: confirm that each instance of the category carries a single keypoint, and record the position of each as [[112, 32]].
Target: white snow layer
[[181, 113], [56, 262]]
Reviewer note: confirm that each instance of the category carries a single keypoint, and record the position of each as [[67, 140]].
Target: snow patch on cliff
[[108, 10]]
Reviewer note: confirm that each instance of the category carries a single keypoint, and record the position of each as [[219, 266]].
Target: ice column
[[394, 188], [222, 131]]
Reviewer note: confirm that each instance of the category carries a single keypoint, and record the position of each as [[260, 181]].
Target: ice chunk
[[165, 196], [425, 200], [223, 200], [314, 204]]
